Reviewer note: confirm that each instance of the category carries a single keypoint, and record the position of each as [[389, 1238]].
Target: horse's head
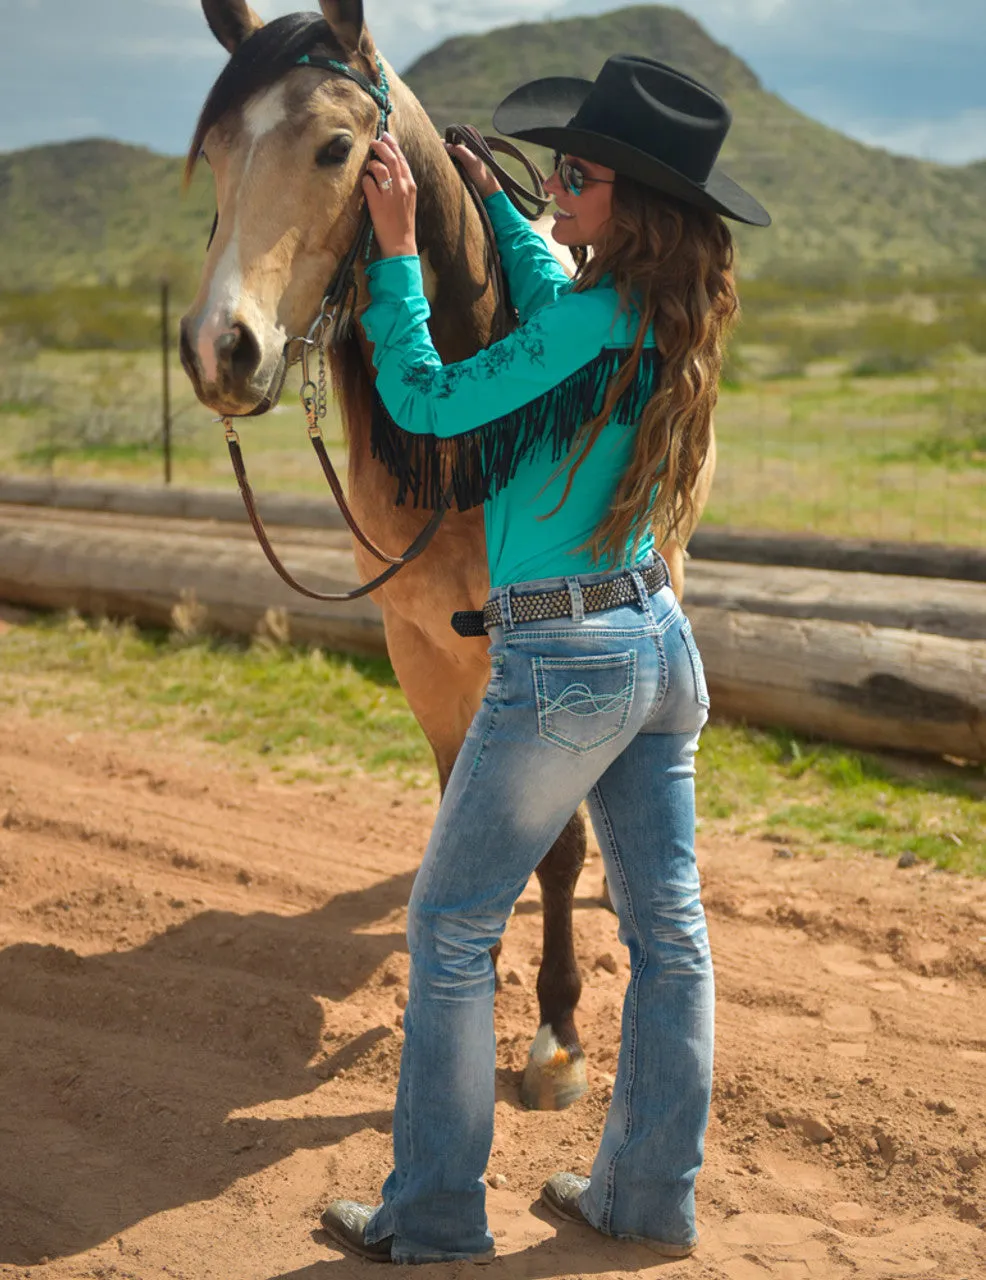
[[287, 144]]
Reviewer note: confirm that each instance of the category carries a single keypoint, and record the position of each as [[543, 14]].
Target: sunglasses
[[573, 177]]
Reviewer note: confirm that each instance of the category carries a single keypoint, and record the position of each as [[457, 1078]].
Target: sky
[[906, 75]]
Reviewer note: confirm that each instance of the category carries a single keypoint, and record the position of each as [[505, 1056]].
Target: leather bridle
[[334, 323]]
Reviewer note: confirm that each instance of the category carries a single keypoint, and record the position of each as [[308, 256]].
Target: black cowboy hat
[[642, 118]]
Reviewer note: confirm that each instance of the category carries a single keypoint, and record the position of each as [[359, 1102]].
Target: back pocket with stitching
[[584, 702]]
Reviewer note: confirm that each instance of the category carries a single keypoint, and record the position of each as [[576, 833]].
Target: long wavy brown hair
[[671, 264]]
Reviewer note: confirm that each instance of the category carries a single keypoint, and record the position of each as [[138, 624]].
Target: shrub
[[99, 318]]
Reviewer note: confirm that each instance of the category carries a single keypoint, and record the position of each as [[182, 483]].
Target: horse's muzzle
[[228, 377]]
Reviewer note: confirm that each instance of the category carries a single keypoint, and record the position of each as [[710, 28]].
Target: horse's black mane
[[258, 62]]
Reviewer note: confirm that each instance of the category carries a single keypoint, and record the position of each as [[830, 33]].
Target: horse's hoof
[[555, 1076]]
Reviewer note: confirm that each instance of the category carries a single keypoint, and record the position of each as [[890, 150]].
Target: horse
[[287, 145]]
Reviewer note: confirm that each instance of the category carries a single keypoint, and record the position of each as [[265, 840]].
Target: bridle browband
[[334, 323]]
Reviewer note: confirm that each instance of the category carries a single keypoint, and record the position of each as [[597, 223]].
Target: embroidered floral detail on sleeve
[[532, 343], [491, 363], [420, 378], [495, 360], [440, 383], [479, 462]]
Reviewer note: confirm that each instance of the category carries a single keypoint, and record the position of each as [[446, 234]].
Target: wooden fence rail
[[736, 546], [873, 660]]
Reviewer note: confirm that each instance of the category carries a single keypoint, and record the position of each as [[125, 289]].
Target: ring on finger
[[386, 184]]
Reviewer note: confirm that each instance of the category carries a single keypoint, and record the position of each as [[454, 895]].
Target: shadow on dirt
[[550, 1258], [121, 1074]]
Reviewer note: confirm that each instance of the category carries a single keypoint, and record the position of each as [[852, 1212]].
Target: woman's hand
[[392, 197], [482, 179]]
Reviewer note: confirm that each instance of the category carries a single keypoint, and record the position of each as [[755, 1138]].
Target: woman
[[581, 432]]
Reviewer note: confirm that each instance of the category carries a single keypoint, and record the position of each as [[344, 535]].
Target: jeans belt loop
[[575, 595], [508, 619], [642, 594]]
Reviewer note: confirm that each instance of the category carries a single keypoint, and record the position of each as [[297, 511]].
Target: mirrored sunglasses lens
[[572, 177]]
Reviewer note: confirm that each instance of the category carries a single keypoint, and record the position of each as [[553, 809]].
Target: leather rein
[[334, 323]]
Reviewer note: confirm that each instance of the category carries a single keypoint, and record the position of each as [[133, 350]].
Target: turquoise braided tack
[[384, 86], [380, 95]]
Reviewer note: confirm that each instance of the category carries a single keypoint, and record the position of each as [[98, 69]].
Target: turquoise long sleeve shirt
[[507, 416]]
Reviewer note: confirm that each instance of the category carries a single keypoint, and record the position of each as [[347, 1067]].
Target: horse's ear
[[231, 21], [345, 17]]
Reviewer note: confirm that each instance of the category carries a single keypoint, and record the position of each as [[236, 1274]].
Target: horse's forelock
[[259, 61]]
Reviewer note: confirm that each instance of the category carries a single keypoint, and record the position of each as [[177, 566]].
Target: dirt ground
[[201, 980]]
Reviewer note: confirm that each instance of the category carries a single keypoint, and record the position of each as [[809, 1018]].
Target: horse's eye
[[334, 153]]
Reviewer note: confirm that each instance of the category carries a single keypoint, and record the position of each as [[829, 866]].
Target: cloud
[[791, 21], [960, 139], [749, 10], [902, 73], [410, 27], [162, 46]]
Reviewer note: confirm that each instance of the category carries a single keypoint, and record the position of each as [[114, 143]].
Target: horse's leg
[[555, 1074], [442, 688], [443, 691]]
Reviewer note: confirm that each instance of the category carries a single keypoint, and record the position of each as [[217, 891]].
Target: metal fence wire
[[842, 446]]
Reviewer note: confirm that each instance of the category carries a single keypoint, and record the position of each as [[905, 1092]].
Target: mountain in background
[[102, 212], [99, 212], [836, 204]]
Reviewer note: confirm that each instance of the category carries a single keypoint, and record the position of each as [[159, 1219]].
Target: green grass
[[299, 707], [96, 415], [309, 714], [852, 405], [816, 797], [897, 457], [82, 318], [894, 457]]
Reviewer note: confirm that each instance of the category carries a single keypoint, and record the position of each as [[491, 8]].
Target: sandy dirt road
[[201, 981]]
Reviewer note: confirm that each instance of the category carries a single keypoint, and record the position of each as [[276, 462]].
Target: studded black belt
[[541, 606]]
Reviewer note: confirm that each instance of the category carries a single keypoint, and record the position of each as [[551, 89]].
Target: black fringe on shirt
[[479, 463]]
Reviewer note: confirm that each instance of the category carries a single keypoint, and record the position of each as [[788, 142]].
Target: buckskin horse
[[286, 130]]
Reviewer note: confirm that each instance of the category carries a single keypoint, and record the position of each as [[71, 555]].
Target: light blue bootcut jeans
[[605, 706]]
